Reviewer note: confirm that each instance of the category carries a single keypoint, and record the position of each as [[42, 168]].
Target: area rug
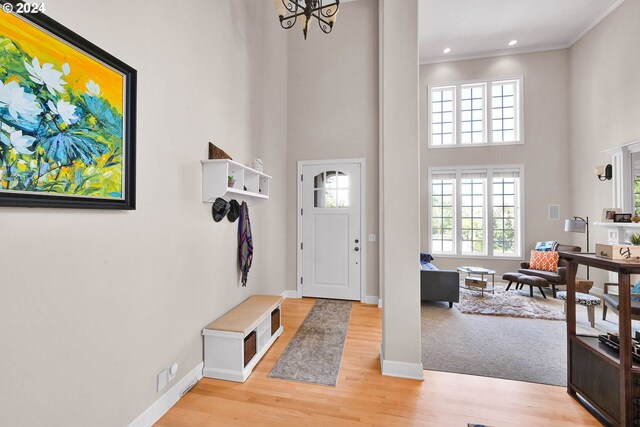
[[314, 353], [507, 303], [514, 348]]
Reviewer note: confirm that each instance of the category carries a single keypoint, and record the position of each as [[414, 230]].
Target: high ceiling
[[481, 28]]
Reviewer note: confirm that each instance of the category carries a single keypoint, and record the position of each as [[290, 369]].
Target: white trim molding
[[289, 294], [595, 21], [371, 299], [392, 368], [517, 51], [160, 407], [621, 159], [494, 54]]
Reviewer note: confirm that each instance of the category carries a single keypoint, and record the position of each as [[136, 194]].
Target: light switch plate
[[372, 237], [162, 380]]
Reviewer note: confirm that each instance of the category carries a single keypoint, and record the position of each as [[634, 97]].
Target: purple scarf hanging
[[245, 242]]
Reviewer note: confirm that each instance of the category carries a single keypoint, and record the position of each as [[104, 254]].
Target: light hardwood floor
[[364, 397]]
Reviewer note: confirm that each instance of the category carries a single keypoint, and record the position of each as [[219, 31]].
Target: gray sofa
[[439, 285]]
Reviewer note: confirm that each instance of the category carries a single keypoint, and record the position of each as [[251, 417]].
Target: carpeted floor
[[522, 349], [314, 353]]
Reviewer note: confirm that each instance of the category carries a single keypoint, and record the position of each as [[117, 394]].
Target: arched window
[[331, 190]]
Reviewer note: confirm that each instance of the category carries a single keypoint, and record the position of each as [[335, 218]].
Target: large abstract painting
[[67, 118]]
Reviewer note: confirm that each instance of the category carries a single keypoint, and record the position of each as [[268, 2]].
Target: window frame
[[487, 113], [454, 114], [488, 211]]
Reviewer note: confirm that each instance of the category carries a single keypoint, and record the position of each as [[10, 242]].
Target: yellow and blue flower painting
[[61, 117]]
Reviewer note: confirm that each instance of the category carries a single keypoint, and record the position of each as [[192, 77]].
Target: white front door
[[331, 240]]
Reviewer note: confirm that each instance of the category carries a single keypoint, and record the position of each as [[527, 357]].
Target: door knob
[[357, 249]]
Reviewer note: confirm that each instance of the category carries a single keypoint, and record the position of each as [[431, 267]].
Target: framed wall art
[[622, 217], [609, 214], [67, 118]]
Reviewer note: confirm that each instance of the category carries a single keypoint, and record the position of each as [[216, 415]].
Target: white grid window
[[476, 211], [472, 115], [478, 112], [503, 111], [505, 218], [636, 194], [635, 172], [442, 218], [472, 215], [442, 116]]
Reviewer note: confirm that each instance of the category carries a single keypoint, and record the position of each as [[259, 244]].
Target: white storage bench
[[235, 342]]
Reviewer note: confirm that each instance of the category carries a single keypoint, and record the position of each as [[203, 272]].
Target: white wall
[[605, 111], [94, 303], [333, 112], [545, 153]]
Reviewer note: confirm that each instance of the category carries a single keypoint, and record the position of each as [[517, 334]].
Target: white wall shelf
[[618, 224], [251, 186], [617, 232]]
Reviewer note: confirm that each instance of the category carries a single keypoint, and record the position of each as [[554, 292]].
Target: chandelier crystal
[[324, 11]]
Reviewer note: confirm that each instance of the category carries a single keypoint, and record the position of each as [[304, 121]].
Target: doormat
[[315, 352]]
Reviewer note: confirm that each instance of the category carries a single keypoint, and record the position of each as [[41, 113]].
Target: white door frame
[[363, 208]]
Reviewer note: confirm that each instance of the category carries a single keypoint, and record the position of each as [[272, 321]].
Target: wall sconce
[[604, 173]]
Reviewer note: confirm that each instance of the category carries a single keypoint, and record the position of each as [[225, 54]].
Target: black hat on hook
[[234, 211], [220, 209]]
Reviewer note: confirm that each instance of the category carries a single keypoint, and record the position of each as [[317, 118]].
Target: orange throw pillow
[[545, 261]]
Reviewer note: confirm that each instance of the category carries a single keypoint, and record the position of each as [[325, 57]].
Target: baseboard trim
[[289, 294], [371, 299], [380, 303], [160, 407], [391, 368]]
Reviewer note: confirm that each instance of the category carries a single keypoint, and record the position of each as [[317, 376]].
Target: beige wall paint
[[545, 153], [400, 188], [605, 112], [333, 113], [94, 303]]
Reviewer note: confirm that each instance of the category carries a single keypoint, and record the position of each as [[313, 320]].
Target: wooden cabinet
[[607, 381]]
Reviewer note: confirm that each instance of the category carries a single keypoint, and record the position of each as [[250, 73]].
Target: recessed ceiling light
[[446, 50], [513, 42]]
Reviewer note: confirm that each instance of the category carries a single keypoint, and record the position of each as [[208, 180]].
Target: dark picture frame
[[622, 217], [127, 198]]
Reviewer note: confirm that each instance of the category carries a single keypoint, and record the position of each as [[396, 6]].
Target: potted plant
[[634, 238], [231, 181]]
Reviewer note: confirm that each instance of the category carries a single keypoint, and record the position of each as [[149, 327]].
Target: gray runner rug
[[314, 353]]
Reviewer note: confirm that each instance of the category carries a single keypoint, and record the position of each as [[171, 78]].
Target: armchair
[[611, 301], [557, 278]]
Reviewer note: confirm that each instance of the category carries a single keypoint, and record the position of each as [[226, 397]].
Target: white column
[[400, 189]]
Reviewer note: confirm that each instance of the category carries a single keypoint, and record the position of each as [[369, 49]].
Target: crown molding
[[595, 21], [516, 51], [495, 54]]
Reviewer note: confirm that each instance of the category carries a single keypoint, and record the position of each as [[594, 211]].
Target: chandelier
[[326, 14]]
